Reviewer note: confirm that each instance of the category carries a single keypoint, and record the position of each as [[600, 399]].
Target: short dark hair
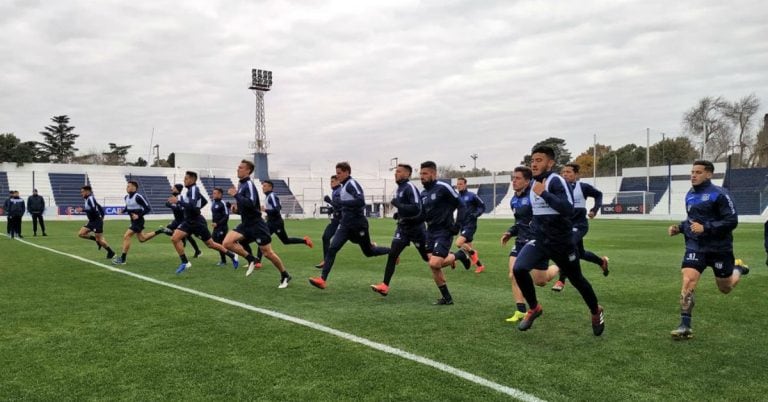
[[544, 149], [708, 166], [406, 167], [250, 164], [178, 187], [429, 165], [464, 179], [268, 182], [333, 177], [344, 166], [526, 171], [218, 189], [86, 188], [134, 183], [191, 174], [574, 166]]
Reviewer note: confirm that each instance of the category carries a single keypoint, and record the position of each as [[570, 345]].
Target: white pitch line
[[513, 392]]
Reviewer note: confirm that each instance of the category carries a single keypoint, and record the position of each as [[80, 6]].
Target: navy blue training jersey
[[582, 191], [552, 212], [521, 205], [408, 203], [135, 203], [470, 208], [711, 206], [273, 207], [191, 203], [352, 201], [219, 213], [248, 204], [93, 209], [438, 201]]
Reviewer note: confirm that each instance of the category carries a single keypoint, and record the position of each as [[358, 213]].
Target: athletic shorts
[[257, 232], [198, 227], [532, 256], [276, 226], [95, 226], [174, 225], [439, 244], [721, 262], [411, 234], [468, 232], [516, 250], [137, 225]]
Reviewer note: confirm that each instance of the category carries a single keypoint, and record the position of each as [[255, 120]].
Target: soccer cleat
[[250, 269], [198, 253], [284, 282], [221, 264], [682, 332], [110, 254], [598, 321], [473, 257], [741, 266], [308, 242], [381, 289], [558, 286], [480, 269], [519, 315], [235, 262], [530, 317], [320, 265], [167, 231], [118, 261], [604, 266], [317, 282], [443, 302], [98, 246], [183, 266]]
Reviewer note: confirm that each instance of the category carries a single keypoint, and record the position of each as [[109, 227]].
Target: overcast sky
[[367, 81]]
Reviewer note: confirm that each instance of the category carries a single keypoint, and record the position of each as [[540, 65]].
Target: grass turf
[[75, 331]]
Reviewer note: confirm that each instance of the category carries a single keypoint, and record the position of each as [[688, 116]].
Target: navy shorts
[[721, 262], [174, 225], [198, 228], [468, 232], [516, 250], [95, 226], [532, 256], [257, 232], [137, 225], [411, 234], [439, 244]]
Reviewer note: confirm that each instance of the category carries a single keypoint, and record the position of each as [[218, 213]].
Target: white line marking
[[516, 393]]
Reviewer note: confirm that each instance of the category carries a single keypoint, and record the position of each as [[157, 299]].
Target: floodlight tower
[[260, 83]]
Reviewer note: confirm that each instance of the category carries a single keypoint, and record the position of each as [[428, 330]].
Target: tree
[[59, 141], [740, 114], [627, 156], [116, 155], [759, 156], [8, 142], [562, 155], [677, 151], [13, 150], [706, 122], [139, 162], [586, 159], [171, 159]]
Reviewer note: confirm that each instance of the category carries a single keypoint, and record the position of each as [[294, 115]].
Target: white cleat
[[251, 267], [284, 282]]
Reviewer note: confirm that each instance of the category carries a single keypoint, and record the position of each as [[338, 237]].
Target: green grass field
[[72, 330]]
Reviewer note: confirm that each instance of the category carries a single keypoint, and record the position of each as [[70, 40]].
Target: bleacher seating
[[212, 182], [290, 205], [745, 186], [486, 191], [655, 184], [66, 188], [4, 188], [156, 189]]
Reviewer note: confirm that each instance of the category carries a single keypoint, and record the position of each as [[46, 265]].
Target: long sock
[[231, 255], [124, 256], [520, 307], [284, 274], [223, 256], [194, 244], [685, 319], [444, 291], [184, 259], [158, 231], [250, 258], [462, 257], [109, 249], [592, 257], [479, 264]]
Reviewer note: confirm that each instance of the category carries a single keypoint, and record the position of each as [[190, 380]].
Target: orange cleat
[[317, 282], [308, 242], [381, 289]]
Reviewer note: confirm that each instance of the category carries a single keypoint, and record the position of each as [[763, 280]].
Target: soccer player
[[36, 208], [708, 231], [6, 207], [552, 206], [439, 201], [582, 191], [470, 208], [95, 225], [252, 227], [332, 200], [353, 225], [219, 221], [178, 218], [275, 221], [410, 225], [194, 223], [136, 206], [15, 211], [523, 233]]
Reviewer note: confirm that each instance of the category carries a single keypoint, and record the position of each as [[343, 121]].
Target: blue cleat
[[182, 267], [118, 261], [235, 262]]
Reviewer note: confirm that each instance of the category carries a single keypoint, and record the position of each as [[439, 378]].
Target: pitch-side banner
[[616, 209], [108, 210]]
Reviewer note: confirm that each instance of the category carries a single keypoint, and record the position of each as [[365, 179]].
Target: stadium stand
[[209, 183], [290, 205], [66, 188], [156, 189], [745, 187], [4, 189], [486, 193]]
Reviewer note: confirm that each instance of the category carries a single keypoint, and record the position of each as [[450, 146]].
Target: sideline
[[513, 392]]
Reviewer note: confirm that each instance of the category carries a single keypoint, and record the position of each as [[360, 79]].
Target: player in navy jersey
[[470, 209], [582, 191], [136, 206], [219, 221], [178, 218], [252, 228], [353, 225], [523, 233], [334, 201], [552, 206], [275, 222], [194, 223], [95, 225], [410, 225], [708, 231]]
